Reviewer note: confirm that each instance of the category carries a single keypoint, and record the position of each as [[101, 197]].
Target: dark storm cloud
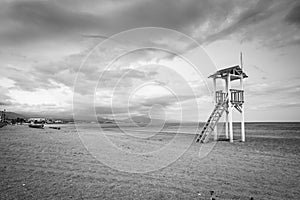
[[27, 21], [253, 15], [4, 103], [293, 17], [169, 14]]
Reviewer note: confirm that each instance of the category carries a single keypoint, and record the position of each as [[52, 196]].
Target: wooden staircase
[[212, 121]]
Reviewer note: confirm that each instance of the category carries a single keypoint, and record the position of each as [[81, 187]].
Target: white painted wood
[[243, 136], [230, 110], [215, 89], [215, 101], [226, 115], [226, 126]]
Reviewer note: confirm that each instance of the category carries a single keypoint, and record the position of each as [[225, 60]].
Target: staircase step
[[211, 122]]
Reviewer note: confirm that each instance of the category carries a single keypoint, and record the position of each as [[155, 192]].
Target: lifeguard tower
[[225, 101]]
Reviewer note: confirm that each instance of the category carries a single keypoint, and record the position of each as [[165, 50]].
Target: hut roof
[[235, 71]]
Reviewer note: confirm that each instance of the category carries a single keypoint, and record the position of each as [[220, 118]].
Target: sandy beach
[[54, 164]]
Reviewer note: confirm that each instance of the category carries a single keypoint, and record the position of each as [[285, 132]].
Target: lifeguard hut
[[225, 101]]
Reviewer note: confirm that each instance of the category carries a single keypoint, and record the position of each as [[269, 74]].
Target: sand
[[54, 164]]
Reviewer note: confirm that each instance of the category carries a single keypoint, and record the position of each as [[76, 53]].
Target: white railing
[[220, 96], [237, 96]]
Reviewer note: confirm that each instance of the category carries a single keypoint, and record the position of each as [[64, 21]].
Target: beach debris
[[54, 127], [212, 195]]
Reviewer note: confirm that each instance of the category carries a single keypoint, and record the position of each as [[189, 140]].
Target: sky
[[123, 59]]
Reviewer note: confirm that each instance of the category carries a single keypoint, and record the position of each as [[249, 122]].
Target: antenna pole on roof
[[241, 60]]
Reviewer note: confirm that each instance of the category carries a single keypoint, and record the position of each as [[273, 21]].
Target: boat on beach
[[36, 125]]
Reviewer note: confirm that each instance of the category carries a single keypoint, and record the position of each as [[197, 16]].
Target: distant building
[[49, 121], [40, 120], [58, 121]]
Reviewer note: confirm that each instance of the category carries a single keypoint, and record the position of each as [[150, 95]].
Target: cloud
[[5, 100], [269, 106], [206, 20], [251, 16], [275, 32], [273, 94], [142, 106], [24, 80], [293, 17], [5, 103], [29, 21], [95, 36], [107, 110], [291, 87]]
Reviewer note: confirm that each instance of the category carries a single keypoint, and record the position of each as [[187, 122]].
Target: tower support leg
[[230, 108], [230, 124], [226, 116], [243, 125], [243, 138], [216, 133], [215, 101], [226, 126]]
